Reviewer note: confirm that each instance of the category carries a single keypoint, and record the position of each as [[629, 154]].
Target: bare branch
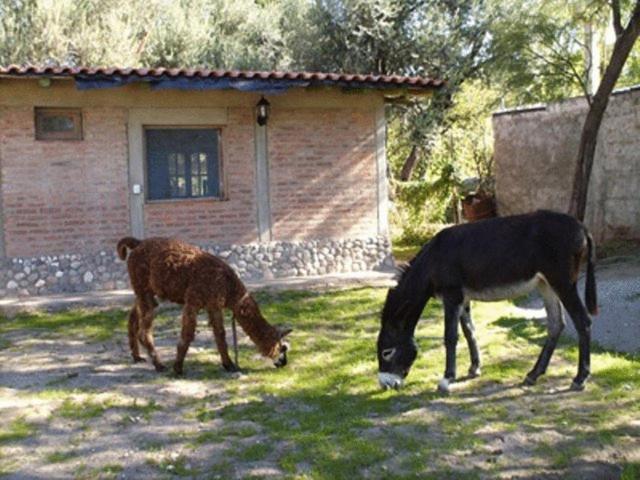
[[560, 60], [617, 20]]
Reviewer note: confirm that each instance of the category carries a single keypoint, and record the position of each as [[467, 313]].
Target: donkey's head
[[397, 350], [269, 340]]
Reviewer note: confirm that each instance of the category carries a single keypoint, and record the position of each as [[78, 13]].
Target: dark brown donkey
[[181, 273], [491, 260]]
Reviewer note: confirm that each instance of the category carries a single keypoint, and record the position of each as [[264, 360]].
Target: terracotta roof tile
[[370, 80]]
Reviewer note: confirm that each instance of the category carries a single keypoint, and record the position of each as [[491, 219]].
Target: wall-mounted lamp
[[262, 111]]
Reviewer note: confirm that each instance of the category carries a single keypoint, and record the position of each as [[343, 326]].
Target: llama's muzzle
[[281, 361]]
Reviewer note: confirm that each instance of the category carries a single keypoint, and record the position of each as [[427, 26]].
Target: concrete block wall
[[535, 153]]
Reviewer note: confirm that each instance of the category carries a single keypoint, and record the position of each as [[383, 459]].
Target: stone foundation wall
[[24, 276]]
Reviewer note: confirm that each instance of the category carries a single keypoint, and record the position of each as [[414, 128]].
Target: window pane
[[180, 165], [171, 159], [58, 124], [203, 163], [182, 187], [182, 162]]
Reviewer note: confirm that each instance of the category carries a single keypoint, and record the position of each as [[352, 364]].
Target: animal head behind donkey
[[172, 270]]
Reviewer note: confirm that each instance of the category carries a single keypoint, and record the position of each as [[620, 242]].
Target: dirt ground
[[71, 408]]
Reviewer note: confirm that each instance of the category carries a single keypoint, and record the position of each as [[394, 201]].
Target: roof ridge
[[203, 72]]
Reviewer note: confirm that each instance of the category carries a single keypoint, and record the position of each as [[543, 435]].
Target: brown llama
[[181, 273]]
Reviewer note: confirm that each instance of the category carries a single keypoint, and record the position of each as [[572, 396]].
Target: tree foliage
[[217, 33], [527, 50]]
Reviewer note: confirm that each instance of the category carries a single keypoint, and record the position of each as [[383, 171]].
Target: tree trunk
[[409, 164], [589, 137]]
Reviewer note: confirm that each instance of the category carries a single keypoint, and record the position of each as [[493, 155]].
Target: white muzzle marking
[[390, 380]]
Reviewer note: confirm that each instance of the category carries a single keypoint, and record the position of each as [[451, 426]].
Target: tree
[[242, 34], [440, 38], [540, 54], [625, 39]]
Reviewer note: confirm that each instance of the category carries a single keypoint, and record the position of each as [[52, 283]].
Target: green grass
[[92, 326], [60, 456], [18, 429], [106, 472], [631, 471], [173, 466], [82, 410], [324, 416], [404, 253]]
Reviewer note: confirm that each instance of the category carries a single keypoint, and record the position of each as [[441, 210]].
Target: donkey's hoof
[[231, 367], [576, 387], [474, 372], [138, 359], [529, 381], [444, 385]]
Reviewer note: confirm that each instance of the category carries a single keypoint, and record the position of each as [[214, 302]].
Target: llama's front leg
[[134, 346], [469, 333], [216, 320], [145, 332], [189, 320], [452, 306]]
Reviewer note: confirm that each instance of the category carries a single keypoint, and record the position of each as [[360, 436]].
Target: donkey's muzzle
[[390, 380]]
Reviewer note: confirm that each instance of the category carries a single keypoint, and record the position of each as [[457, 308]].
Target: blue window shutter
[[165, 145]]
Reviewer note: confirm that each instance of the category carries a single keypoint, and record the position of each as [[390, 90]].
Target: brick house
[[88, 156]]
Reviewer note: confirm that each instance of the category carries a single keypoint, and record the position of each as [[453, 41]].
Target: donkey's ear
[[285, 331]]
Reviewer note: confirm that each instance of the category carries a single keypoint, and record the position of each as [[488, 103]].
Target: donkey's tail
[[126, 243], [590, 295]]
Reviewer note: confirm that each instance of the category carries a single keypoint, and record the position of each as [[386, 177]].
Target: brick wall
[[72, 196], [535, 155], [213, 221], [62, 196], [322, 174]]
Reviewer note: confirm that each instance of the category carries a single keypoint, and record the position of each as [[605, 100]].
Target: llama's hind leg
[[216, 320], [555, 326], [189, 321], [134, 346], [145, 332]]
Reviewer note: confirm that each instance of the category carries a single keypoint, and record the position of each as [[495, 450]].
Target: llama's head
[[281, 348], [270, 340]]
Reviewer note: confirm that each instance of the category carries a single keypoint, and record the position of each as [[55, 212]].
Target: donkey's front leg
[[555, 326], [469, 333], [453, 301]]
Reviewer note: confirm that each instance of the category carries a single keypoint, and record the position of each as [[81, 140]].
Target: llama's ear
[[244, 307], [244, 310], [285, 331]]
